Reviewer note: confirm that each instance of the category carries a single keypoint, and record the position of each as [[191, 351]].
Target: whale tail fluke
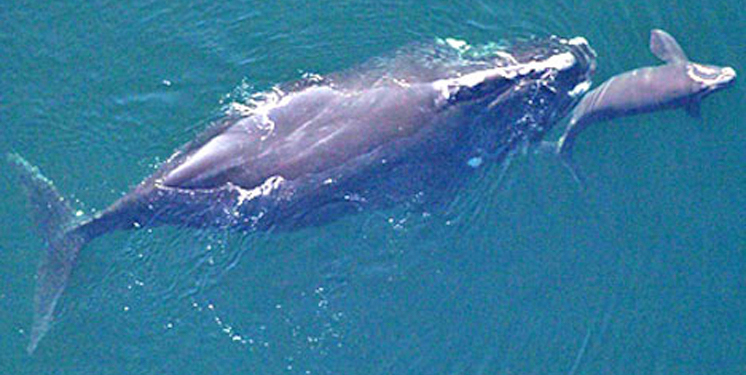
[[56, 223]]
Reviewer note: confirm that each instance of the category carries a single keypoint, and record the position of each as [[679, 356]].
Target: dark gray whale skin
[[678, 83], [316, 149]]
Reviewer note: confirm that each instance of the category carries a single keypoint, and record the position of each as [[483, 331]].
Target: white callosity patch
[[699, 73], [576, 41], [457, 44], [557, 62], [580, 89]]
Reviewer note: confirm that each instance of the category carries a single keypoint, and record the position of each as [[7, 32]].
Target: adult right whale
[[678, 83], [411, 127]]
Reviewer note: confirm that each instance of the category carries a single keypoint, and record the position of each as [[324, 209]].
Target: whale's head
[[563, 66], [516, 93], [702, 79], [710, 78]]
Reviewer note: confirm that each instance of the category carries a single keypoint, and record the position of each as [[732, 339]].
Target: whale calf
[[415, 124], [678, 83]]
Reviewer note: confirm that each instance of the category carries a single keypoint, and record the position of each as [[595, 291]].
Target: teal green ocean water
[[643, 272]]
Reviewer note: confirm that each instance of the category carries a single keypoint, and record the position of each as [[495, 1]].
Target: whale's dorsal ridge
[[665, 47]]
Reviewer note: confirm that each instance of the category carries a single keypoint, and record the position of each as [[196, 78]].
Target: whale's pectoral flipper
[[665, 47], [56, 223]]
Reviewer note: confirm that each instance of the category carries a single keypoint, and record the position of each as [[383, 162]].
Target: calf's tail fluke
[[563, 150], [57, 224]]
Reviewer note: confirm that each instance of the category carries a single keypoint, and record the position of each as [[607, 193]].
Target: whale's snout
[[712, 78], [726, 78], [728, 74]]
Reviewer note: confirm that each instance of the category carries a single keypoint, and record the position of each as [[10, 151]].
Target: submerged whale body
[[311, 151]]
